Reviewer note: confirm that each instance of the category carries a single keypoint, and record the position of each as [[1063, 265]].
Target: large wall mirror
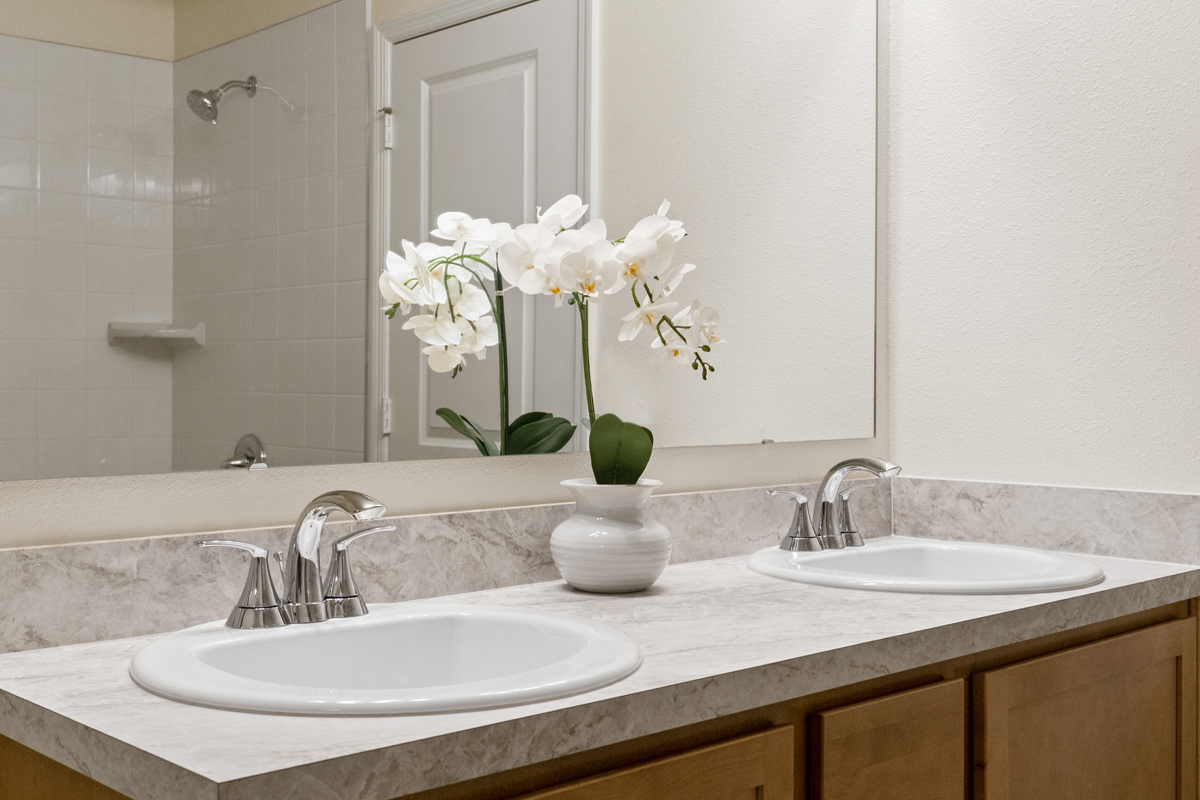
[[189, 256]]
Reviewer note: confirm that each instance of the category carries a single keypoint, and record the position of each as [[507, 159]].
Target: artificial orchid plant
[[459, 287]]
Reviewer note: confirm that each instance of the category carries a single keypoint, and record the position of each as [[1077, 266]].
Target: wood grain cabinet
[[905, 746], [1111, 719], [760, 766]]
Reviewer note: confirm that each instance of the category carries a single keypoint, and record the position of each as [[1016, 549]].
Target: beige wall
[[144, 28], [204, 24], [165, 30], [385, 10]]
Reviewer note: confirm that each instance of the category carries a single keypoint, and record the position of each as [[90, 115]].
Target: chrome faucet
[[303, 595], [831, 525]]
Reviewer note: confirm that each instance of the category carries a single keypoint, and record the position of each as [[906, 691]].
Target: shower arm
[[251, 86]]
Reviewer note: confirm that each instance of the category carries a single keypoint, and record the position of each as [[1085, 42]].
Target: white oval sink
[[406, 658], [909, 564]]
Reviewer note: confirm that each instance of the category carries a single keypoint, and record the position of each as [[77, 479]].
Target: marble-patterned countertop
[[717, 639]]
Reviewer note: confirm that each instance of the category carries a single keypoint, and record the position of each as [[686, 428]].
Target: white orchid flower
[[430, 287], [563, 214], [468, 300], [641, 260], [669, 281], [397, 283], [704, 328], [578, 240], [442, 358], [648, 314], [675, 347], [435, 329], [479, 338], [583, 275], [520, 254], [457, 227]]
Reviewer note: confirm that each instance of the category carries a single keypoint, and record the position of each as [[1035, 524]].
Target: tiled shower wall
[[85, 239], [270, 235]]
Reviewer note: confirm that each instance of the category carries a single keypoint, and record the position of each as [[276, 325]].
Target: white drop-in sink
[[407, 658], [910, 564]]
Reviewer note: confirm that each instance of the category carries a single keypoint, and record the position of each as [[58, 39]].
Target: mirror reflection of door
[[487, 122]]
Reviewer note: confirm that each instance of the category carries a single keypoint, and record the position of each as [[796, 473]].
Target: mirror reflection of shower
[[204, 104]]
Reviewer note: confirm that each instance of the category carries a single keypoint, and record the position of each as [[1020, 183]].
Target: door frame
[[382, 38]]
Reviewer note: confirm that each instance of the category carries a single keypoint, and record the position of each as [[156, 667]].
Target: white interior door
[[486, 121]]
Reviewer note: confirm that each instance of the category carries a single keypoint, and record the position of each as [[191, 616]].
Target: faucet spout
[[303, 599], [827, 524]]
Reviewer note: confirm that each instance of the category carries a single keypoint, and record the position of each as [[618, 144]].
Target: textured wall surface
[[763, 138], [1045, 192]]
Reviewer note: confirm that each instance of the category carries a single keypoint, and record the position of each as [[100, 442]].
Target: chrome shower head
[[204, 104]]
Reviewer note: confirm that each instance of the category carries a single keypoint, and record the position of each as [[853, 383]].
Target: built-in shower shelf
[[171, 334]]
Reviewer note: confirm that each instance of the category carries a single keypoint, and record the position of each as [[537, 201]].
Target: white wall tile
[[352, 196], [18, 414], [18, 213], [110, 221], [60, 218], [321, 256], [18, 264], [18, 163], [110, 125], [62, 119], [153, 85], [62, 458], [63, 167], [110, 77], [62, 70], [18, 364], [20, 117], [18, 62], [110, 172]]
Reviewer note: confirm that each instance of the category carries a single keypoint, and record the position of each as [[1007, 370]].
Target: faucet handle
[[800, 536], [849, 528], [341, 592], [258, 607]]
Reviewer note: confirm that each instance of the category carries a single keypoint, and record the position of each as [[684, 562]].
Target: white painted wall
[[1045, 242]]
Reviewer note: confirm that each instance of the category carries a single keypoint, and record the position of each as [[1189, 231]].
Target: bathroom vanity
[[750, 687]]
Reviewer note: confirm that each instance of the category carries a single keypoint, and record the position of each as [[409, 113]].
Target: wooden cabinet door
[[906, 746], [1113, 719], [760, 766], [28, 775]]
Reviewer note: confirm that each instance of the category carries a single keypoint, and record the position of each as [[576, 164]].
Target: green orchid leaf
[[620, 450], [544, 436], [470, 430], [525, 419]]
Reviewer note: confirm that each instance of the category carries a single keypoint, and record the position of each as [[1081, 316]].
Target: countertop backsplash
[[68, 594]]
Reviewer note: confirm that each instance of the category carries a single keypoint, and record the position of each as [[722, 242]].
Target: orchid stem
[[587, 360], [503, 345]]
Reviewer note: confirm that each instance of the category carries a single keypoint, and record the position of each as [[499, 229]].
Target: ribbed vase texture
[[610, 544]]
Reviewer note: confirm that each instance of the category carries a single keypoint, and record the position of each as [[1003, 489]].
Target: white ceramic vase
[[610, 544]]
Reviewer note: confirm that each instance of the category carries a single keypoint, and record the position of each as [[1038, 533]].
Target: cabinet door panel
[[906, 746], [756, 767], [1111, 719]]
